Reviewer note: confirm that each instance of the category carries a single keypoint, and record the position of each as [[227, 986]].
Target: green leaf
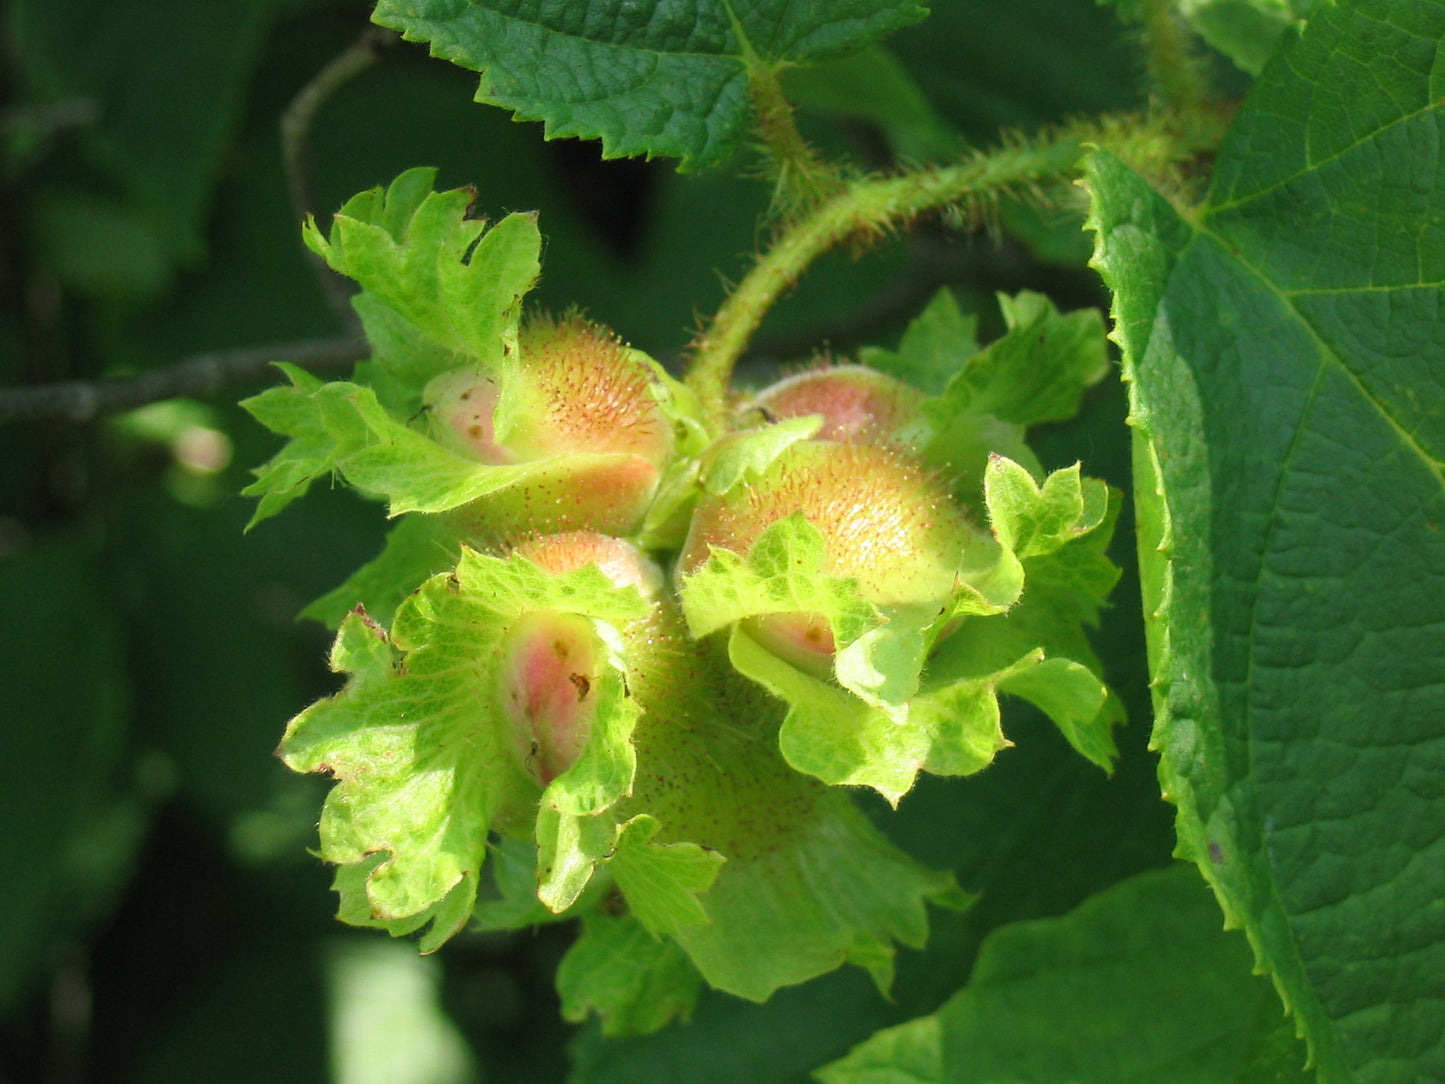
[[910, 1053], [934, 347], [1284, 352], [440, 290], [427, 764], [634, 981], [650, 78], [1138, 984], [313, 450]]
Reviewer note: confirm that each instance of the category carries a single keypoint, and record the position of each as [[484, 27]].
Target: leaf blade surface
[[661, 78], [1286, 369]]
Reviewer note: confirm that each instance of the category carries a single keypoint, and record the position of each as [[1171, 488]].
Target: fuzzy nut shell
[[888, 523], [620, 561], [857, 403]]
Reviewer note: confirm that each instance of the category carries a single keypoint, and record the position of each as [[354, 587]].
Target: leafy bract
[[986, 398], [1078, 998], [427, 762], [798, 882], [312, 451], [832, 891], [935, 345], [1035, 373], [429, 766], [343, 427], [439, 290], [741, 457], [633, 981], [1286, 375], [74, 812], [657, 78], [441, 294], [916, 687]]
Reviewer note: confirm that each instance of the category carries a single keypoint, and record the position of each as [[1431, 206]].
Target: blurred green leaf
[[871, 85], [169, 79], [97, 246], [71, 810], [254, 1016], [984, 67]]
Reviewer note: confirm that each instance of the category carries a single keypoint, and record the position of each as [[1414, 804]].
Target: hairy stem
[[802, 179], [869, 208], [865, 209], [1172, 68]]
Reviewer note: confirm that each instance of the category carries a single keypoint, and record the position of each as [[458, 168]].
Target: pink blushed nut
[[579, 408], [551, 662], [465, 402], [802, 639], [545, 681]]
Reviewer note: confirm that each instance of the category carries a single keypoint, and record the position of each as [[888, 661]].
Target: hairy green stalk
[[1173, 69], [801, 178], [868, 208]]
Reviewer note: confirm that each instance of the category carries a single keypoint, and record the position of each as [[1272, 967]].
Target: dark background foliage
[[163, 920]]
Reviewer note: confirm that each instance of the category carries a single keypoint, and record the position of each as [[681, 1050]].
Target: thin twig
[[296, 124], [198, 376], [46, 120]]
